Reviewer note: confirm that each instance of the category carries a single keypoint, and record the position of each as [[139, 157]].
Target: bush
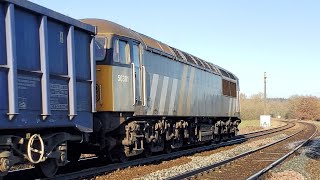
[[296, 107]]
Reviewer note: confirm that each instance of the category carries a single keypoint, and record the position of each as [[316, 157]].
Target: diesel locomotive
[[152, 97], [70, 86]]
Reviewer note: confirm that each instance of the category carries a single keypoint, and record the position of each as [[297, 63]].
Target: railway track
[[253, 163], [83, 169], [250, 135]]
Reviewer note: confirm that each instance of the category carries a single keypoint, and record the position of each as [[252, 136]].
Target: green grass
[[246, 123]]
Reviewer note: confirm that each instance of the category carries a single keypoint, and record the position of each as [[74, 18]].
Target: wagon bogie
[[47, 80]]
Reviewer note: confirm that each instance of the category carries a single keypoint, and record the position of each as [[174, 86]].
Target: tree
[[251, 108], [304, 107], [296, 107]]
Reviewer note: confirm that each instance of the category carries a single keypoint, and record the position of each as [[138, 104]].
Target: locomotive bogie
[[155, 135]]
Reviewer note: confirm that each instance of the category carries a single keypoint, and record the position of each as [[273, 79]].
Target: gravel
[[202, 161], [305, 165], [286, 175], [296, 164]]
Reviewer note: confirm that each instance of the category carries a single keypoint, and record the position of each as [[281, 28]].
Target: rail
[[112, 167], [200, 171], [274, 164], [206, 168]]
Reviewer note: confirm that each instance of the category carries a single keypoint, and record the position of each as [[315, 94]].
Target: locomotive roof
[[108, 27]]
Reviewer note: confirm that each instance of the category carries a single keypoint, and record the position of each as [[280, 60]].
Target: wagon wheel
[[35, 149], [47, 168], [4, 166], [73, 156]]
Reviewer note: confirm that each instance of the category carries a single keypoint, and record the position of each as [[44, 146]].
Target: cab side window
[[136, 55], [121, 52]]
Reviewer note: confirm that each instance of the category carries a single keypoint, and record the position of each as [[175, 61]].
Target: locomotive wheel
[[106, 157], [123, 158], [167, 148], [101, 155], [231, 135], [4, 166], [217, 138], [47, 168], [225, 137], [147, 152], [235, 133]]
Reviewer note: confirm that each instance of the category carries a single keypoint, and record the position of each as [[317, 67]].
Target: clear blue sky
[[247, 37]]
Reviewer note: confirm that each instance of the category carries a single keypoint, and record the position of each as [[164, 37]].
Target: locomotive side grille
[[207, 65], [189, 59], [212, 67], [232, 76], [224, 73], [176, 52], [196, 59], [200, 62]]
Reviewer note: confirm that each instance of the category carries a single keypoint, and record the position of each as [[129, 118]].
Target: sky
[[246, 37]]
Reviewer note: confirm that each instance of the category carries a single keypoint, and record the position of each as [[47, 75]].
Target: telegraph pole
[[265, 93], [265, 120]]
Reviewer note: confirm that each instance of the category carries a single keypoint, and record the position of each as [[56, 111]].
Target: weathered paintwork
[[176, 89], [176, 83], [115, 89]]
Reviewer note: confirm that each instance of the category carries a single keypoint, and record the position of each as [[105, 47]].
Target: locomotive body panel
[[123, 93], [176, 89], [104, 88], [115, 89]]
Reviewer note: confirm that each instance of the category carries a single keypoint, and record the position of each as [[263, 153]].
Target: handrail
[[133, 83], [144, 102]]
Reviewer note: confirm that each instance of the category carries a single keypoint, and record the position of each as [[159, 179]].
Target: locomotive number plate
[[123, 78]]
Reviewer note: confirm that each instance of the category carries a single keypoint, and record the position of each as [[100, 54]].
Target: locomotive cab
[[120, 75]]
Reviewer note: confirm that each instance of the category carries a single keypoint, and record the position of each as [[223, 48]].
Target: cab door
[[138, 75]]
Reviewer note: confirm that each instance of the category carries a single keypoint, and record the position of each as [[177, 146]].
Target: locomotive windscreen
[[100, 48]]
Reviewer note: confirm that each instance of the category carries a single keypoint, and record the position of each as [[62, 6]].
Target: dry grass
[[247, 126]]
